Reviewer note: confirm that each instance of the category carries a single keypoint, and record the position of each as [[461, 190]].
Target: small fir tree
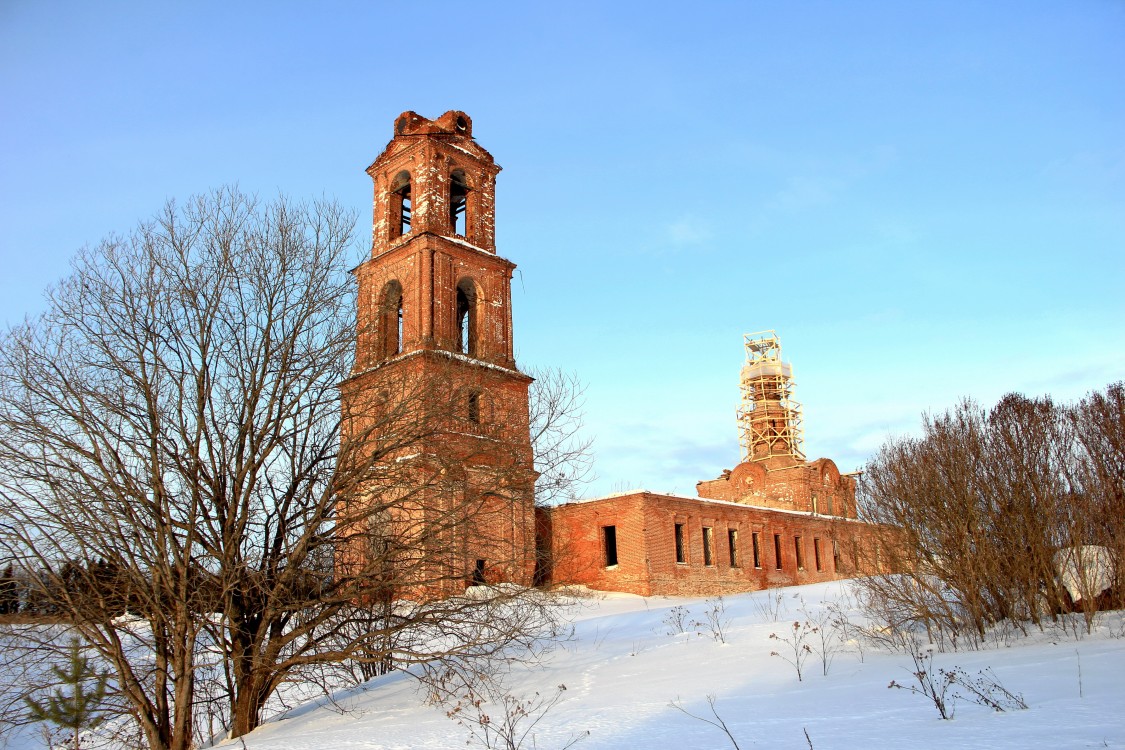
[[9, 592], [77, 709]]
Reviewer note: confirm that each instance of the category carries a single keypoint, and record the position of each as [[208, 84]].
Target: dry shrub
[[978, 511]]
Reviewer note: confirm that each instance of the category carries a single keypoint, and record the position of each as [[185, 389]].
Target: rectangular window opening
[[609, 536], [732, 546], [777, 550], [681, 555], [835, 555], [708, 541], [799, 552], [816, 554], [756, 543]]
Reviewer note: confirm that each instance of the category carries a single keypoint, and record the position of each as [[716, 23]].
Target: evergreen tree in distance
[[9, 592]]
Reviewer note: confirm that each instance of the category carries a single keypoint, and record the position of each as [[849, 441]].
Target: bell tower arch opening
[[401, 204], [459, 203], [390, 323], [468, 327]]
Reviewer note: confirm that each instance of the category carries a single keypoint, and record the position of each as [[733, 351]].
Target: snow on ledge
[[697, 499], [442, 353]]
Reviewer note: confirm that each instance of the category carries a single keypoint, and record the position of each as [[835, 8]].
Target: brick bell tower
[[434, 340]]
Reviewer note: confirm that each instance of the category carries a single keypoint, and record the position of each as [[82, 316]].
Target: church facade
[[776, 519], [435, 342]]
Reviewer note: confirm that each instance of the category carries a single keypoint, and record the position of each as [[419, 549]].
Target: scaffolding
[[769, 420]]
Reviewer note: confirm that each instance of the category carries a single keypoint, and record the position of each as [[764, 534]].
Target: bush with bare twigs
[[944, 687], [474, 693], [797, 645], [718, 722], [1012, 514]]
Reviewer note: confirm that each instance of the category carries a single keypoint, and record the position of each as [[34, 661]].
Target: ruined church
[[434, 311]]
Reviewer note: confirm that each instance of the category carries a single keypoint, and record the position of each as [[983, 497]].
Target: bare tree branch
[[176, 486]]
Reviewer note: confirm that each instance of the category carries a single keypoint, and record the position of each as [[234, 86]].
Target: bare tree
[[562, 451], [980, 513], [924, 494], [1098, 422], [171, 426], [143, 412]]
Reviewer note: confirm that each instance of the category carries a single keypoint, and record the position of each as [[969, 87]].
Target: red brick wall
[[578, 546], [780, 483], [646, 549]]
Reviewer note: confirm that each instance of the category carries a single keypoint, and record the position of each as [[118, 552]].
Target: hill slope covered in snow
[[625, 667]]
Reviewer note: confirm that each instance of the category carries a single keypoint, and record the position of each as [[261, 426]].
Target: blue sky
[[925, 200]]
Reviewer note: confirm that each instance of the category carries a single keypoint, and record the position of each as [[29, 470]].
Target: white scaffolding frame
[[769, 418]]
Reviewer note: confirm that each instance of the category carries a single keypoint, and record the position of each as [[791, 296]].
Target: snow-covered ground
[[623, 669]]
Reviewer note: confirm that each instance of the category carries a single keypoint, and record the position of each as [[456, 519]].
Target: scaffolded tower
[[769, 420]]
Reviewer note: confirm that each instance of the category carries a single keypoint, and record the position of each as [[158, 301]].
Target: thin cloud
[[688, 231]]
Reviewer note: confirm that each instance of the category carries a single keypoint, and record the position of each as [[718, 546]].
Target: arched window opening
[[474, 407], [467, 317], [391, 317], [458, 202], [400, 203]]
